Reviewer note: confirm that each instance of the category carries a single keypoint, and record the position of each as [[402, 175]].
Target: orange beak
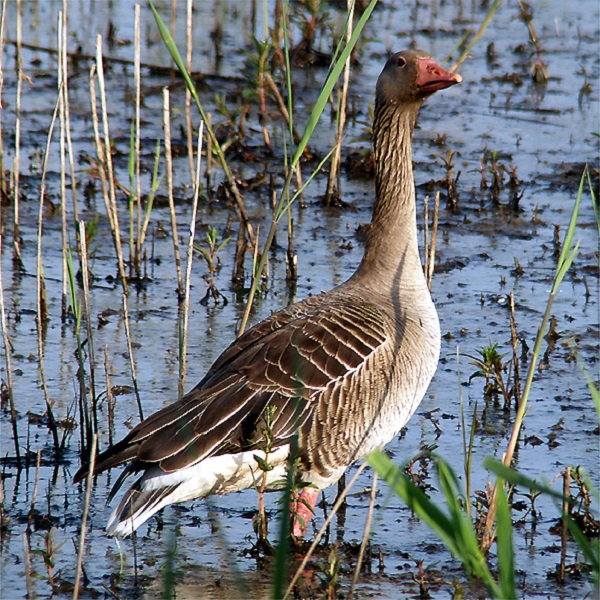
[[432, 77]]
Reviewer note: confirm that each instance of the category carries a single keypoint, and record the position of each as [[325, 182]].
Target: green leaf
[[506, 566]]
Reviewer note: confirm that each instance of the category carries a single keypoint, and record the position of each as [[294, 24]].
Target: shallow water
[[547, 132]]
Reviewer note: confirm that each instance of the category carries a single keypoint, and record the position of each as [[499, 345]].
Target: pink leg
[[308, 496]]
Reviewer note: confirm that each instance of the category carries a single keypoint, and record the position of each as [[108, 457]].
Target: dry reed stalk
[[110, 399], [366, 534], [169, 165], [85, 274], [112, 207], [41, 304], [131, 359], [565, 527], [65, 78], [36, 484], [99, 146], [86, 508], [281, 106], [17, 156], [8, 358], [426, 236], [137, 76], [190, 256], [3, 188], [324, 527], [63, 188], [431, 250], [514, 338], [334, 171], [27, 566], [189, 130]]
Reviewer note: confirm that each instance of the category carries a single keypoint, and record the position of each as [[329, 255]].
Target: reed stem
[[86, 508], [190, 256], [169, 161]]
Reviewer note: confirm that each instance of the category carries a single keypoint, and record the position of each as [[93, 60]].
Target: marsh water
[[491, 242]]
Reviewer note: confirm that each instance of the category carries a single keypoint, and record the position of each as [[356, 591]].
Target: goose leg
[[305, 508]]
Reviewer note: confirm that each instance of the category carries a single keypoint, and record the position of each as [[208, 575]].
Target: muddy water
[[546, 133]]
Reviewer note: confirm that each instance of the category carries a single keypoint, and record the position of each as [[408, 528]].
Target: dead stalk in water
[[189, 131], [565, 528], [334, 171], [366, 534], [36, 484], [169, 166], [137, 77], [110, 399], [85, 274], [63, 187], [65, 79], [514, 338], [431, 249], [190, 256], [86, 508], [107, 161], [42, 305], [3, 188], [17, 155], [429, 244], [8, 358], [324, 527], [131, 359], [27, 565]]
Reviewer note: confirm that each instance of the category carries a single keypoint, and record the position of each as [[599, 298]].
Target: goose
[[334, 376]]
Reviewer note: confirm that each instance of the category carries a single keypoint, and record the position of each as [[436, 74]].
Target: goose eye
[[401, 61]]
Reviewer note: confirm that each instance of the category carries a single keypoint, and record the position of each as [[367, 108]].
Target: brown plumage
[[343, 370]]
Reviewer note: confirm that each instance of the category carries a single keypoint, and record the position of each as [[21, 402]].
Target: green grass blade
[[165, 34], [506, 559], [330, 82], [414, 498], [516, 478], [568, 252]]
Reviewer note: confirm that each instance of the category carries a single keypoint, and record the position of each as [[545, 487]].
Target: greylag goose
[[340, 372]]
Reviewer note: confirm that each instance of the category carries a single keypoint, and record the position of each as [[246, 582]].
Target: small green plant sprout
[[260, 520], [490, 365], [210, 252], [258, 62], [330, 572]]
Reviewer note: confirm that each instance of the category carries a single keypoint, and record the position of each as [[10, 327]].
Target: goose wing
[[286, 361]]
